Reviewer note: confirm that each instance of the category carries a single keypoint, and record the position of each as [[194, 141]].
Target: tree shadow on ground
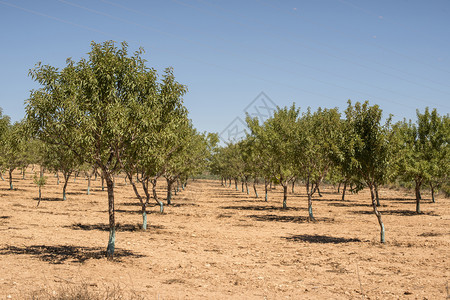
[[50, 199], [396, 212], [292, 219], [138, 211], [14, 189], [182, 204], [399, 199], [349, 204], [318, 199], [320, 239], [5, 217], [137, 203], [261, 208], [77, 193], [119, 227], [61, 254]]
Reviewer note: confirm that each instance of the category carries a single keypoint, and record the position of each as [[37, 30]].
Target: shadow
[[398, 212], [14, 189], [399, 199], [293, 219], [54, 199], [320, 239], [139, 211], [137, 203], [430, 234], [119, 227], [5, 217], [349, 204], [261, 208], [61, 254], [182, 204], [77, 193]]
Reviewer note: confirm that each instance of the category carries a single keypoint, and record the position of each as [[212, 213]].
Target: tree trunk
[[254, 188], [1, 176], [39, 202], [23, 172], [285, 187], [89, 184], [57, 178], [309, 192], [169, 191], [236, 185], [66, 181], [112, 221], [242, 186], [432, 193], [376, 195], [141, 201], [339, 187], [343, 190], [246, 186], [11, 187], [144, 216], [377, 214], [293, 186], [155, 196], [103, 182], [418, 197], [266, 184]]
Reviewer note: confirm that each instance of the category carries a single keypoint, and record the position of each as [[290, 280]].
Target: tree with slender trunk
[[372, 149], [92, 107], [278, 134], [424, 150]]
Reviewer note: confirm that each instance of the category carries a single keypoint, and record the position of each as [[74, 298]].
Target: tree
[[317, 139], [424, 151], [278, 135], [40, 181], [91, 107], [4, 129], [14, 144], [372, 150], [59, 158]]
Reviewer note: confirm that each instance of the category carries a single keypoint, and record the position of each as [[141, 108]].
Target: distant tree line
[[358, 150]]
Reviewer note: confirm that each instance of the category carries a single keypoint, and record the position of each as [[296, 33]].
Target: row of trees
[[359, 150], [110, 112]]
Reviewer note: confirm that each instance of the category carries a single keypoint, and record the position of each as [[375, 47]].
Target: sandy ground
[[218, 243]]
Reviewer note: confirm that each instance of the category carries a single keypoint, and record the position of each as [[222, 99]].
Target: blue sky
[[315, 53]]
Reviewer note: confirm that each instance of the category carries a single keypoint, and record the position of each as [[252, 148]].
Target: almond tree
[[425, 151], [161, 115], [372, 148], [91, 107], [315, 146], [13, 148], [4, 128], [278, 135]]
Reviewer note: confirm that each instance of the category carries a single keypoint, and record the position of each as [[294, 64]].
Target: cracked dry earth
[[219, 243]]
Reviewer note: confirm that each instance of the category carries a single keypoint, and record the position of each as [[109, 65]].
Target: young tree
[[91, 108], [14, 145], [40, 181], [317, 139], [278, 135], [372, 152], [424, 151]]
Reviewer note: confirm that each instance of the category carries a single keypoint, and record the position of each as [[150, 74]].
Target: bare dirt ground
[[216, 242]]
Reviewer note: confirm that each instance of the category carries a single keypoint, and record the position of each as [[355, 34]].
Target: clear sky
[[315, 53]]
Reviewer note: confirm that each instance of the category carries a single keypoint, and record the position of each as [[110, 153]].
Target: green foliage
[[40, 181], [100, 108]]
